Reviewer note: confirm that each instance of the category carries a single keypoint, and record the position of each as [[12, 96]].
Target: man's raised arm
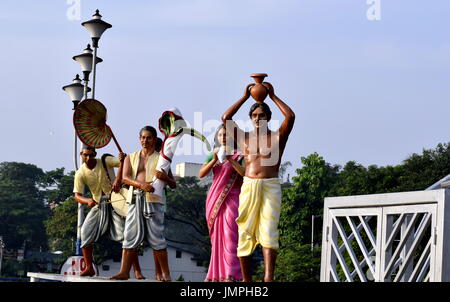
[[289, 115], [227, 117]]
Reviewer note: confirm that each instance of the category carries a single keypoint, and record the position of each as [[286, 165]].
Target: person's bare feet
[[166, 278], [138, 276], [120, 276], [88, 272]]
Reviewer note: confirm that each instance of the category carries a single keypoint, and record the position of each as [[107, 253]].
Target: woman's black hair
[[216, 141]]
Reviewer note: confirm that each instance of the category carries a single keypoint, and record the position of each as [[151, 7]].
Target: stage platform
[[36, 277]]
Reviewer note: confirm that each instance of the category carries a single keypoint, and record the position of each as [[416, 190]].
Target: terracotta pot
[[259, 92]]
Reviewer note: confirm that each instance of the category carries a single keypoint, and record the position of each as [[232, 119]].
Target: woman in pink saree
[[222, 203]]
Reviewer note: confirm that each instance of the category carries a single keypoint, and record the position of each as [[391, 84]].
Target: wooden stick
[[115, 140]]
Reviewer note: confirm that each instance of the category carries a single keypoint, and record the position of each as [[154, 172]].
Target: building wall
[[191, 169], [184, 266], [188, 169]]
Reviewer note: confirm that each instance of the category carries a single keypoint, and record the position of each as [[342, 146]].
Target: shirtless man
[[260, 198], [145, 220]]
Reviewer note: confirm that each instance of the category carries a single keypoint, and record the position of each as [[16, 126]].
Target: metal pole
[[94, 58], [86, 82], [312, 234], [1, 253], [75, 155], [80, 211], [80, 221]]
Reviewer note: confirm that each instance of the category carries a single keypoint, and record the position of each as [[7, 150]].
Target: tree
[[305, 197], [22, 207], [355, 179], [58, 186], [421, 171], [283, 169], [301, 200], [61, 227], [298, 263]]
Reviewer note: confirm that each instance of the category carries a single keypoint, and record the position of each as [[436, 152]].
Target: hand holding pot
[[269, 88], [248, 89]]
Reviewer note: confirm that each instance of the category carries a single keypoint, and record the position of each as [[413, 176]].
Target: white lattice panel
[[386, 237]]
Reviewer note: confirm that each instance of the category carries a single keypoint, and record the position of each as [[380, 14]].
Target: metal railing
[[394, 237]]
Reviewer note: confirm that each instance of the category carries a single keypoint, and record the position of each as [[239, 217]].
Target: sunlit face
[[258, 115], [147, 139], [88, 155], [222, 136]]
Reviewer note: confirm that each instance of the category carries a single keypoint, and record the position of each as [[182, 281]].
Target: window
[[178, 254]]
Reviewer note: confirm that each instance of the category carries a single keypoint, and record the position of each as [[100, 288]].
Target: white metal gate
[[352, 244], [392, 242]]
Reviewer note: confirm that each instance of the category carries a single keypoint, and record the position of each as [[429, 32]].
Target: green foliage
[[305, 198], [12, 267], [421, 171], [22, 209], [59, 186], [62, 227], [301, 200], [355, 179], [318, 179], [297, 262]]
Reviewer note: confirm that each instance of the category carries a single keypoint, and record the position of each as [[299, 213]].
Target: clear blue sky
[[370, 91]]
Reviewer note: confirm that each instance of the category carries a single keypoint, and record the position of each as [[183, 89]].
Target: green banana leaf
[[169, 125]]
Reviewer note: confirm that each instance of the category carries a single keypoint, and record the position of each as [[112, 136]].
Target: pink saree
[[222, 203]]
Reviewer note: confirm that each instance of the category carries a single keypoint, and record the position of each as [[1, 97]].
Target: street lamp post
[[86, 61], [96, 27], [312, 233], [2, 246], [75, 92]]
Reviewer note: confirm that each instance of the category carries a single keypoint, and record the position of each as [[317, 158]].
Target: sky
[[367, 79]]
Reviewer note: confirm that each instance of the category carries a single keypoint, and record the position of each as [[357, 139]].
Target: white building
[[183, 264], [186, 169]]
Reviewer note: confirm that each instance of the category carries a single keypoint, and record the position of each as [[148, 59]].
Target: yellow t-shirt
[[96, 179]]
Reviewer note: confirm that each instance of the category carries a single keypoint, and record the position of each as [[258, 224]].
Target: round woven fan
[[89, 120]]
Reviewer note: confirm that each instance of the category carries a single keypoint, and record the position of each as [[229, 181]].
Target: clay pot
[[259, 92]]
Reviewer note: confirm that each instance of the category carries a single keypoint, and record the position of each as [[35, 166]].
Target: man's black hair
[[158, 144], [86, 147], [149, 129], [264, 108]]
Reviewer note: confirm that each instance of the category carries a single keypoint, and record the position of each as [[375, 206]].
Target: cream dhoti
[[259, 213]]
